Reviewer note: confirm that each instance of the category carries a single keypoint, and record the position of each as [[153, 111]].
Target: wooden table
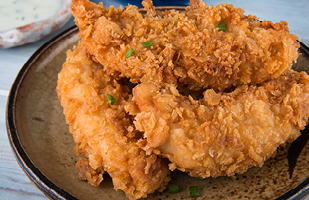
[[14, 184]]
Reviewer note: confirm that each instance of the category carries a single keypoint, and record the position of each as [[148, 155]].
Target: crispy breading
[[188, 49], [208, 102], [222, 133], [104, 133]]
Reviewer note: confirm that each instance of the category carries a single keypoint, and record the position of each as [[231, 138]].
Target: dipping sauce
[[15, 13]]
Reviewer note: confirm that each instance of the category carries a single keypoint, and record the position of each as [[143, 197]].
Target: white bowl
[[36, 30]]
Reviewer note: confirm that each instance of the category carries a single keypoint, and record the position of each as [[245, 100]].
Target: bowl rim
[[39, 29]]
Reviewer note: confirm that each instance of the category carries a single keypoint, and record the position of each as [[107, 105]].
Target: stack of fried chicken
[[205, 90]]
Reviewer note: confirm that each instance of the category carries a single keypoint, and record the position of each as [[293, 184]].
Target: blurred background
[[138, 3]]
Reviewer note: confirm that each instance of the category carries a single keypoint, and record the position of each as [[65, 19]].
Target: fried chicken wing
[[104, 133], [188, 49], [222, 133]]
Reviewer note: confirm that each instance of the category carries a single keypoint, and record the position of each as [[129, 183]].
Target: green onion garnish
[[222, 27], [130, 53], [194, 191], [147, 44], [172, 189], [200, 178], [111, 99]]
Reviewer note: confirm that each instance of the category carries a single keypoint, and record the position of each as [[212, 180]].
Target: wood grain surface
[[14, 184]]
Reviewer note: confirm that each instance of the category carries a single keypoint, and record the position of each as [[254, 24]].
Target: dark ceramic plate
[[44, 147]]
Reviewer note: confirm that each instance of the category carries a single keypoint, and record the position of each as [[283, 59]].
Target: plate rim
[[46, 186], [42, 182]]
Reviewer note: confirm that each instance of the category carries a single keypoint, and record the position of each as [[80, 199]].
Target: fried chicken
[[188, 48], [221, 133], [104, 133], [202, 99]]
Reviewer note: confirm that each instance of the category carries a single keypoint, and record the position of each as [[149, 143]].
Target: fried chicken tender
[[205, 101], [104, 133], [221, 133], [188, 49]]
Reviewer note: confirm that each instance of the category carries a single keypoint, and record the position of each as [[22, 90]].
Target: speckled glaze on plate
[[36, 30], [44, 147]]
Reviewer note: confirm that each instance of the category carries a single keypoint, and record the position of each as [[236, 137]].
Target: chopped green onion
[[194, 191], [222, 27], [172, 189], [147, 44], [130, 53], [200, 178], [111, 99]]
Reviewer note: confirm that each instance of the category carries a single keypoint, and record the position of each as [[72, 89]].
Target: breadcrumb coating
[[188, 49], [104, 133], [221, 133], [207, 101]]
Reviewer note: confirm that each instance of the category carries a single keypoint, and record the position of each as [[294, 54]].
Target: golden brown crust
[[213, 103], [222, 133], [104, 132], [188, 49], [87, 173], [219, 134]]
